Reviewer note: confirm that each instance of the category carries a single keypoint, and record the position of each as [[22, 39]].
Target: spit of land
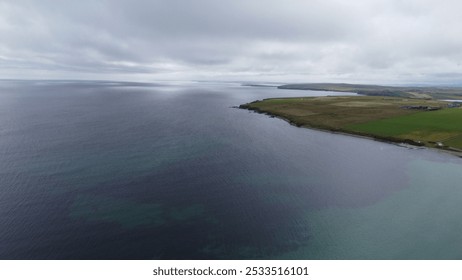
[[421, 122]]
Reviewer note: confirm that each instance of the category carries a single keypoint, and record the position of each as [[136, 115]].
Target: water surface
[[99, 170]]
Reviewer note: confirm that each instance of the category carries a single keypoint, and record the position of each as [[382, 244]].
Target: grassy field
[[442, 126], [378, 117]]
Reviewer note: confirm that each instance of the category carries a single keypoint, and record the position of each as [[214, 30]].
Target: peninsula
[[436, 92], [421, 122]]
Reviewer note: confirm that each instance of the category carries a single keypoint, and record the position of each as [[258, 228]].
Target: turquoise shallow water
[[97, 170], [420, 222]]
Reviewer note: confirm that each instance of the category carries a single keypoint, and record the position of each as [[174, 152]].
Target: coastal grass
[[374, 116], [442, 126]]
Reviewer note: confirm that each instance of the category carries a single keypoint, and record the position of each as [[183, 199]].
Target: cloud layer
[[381, 41]]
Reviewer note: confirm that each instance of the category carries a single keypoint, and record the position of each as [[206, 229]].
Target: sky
[[357, 41]]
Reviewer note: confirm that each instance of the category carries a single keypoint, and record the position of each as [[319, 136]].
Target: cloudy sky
[[371, 41]]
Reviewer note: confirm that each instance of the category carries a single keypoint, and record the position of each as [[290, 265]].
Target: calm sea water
[[95, 170]]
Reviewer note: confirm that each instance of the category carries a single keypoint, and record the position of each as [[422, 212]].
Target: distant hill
[[375, 90]]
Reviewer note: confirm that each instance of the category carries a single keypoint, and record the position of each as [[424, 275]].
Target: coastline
[[407, 143], [434, 92]]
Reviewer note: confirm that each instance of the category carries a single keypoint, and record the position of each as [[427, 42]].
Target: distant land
[[419, 122], [436, 92]]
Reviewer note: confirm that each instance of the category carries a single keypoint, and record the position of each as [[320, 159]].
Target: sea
[[173, 170]]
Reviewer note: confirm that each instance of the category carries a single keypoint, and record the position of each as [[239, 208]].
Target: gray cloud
[[293, 40]]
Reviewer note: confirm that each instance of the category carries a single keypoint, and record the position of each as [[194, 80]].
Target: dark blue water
[[97, 170]]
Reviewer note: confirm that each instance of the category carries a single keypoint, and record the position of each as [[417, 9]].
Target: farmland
[[379, 117]]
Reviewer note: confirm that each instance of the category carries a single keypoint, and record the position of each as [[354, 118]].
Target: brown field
[[333, 112], [378, 117]]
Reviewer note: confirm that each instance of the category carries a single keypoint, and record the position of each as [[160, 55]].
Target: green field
[[442, 126], [381, 117]]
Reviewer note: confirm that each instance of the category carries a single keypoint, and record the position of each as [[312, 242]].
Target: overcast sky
[[371, 41]]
